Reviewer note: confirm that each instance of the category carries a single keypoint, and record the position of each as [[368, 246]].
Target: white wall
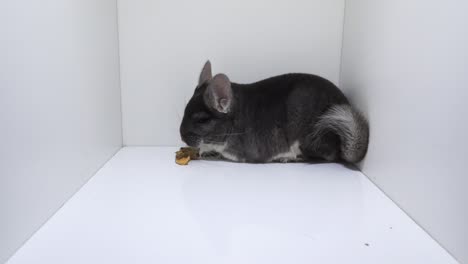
[[405, 63], [164, 44], [59, 106]]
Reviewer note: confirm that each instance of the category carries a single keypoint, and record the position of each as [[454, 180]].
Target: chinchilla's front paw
[[211, 155]]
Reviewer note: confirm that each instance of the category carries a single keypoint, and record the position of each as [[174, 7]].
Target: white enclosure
[[142, 208], [405, 63], [59, 107], [64, 65]]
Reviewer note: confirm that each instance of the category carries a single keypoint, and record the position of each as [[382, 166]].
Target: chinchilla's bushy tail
[[352, 128]]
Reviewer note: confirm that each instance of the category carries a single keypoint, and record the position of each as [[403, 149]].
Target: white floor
[[142, 208]]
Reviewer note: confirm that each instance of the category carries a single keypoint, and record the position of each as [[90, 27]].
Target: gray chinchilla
[[291, 117]]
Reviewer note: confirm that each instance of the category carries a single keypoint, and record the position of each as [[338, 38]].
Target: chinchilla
[[287, 118]]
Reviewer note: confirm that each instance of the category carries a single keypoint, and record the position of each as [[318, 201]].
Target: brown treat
[[193, 152], [183, 160], [184, 155]]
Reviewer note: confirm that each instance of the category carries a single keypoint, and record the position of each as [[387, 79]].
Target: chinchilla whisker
[[177, 112], [231, 134], [213, 142], [234, 134]]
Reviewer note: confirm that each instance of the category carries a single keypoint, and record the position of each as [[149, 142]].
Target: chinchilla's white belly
[[218, 148], [293, 154]]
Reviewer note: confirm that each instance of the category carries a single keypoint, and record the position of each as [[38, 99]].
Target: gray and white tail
[[352, 128]]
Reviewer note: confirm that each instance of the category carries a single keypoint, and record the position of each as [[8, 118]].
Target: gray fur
[[351, 127], [219, 93], [291, 117], [205, 74]]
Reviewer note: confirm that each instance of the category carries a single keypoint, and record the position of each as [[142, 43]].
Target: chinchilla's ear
[[218, 95], [205, 74]]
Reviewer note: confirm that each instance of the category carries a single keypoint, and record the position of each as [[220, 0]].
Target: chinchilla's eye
[[201, 118]]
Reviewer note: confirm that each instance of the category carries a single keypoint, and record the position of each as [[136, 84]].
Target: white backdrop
[[59, 106], [164, 43], [405, 63]]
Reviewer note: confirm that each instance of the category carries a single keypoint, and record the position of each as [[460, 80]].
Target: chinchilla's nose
[[189, 139], [183, 138]]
